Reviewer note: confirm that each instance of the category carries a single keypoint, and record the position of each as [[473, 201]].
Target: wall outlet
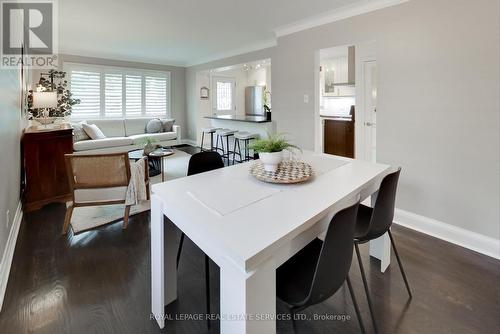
[[7, 214], [306, 98]]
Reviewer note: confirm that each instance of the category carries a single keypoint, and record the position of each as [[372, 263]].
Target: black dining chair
[[375, 222], [199, 163], [320, 269]]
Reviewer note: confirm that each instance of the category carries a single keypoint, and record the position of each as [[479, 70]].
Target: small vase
[[271, 160], [149, 148]]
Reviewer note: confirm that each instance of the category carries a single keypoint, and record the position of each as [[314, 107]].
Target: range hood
[[351, 68]]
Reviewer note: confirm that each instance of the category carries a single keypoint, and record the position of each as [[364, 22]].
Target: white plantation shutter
[[113, 95], [133, 95], [156, 96], [86, 86], [114, 92]]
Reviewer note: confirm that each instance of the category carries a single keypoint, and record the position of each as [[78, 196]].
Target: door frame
[[365, 51], [360, 139]]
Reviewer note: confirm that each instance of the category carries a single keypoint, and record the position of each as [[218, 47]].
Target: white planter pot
[[271, 160]]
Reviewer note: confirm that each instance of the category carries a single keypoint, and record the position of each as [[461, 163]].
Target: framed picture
[[204, 91]]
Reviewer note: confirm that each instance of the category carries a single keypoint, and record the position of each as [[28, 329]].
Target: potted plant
[[271, 150], [149, 145]]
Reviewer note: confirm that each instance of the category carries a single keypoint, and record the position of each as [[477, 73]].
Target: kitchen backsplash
[[336, 106]]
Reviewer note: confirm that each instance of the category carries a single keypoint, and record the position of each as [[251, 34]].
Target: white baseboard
[[456, 235], [8, 254]]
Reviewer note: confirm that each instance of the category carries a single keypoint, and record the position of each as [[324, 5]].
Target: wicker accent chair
[[99, 179]]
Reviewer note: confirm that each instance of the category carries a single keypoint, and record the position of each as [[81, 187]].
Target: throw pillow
[[93, 131], [154, 126], [78, 133], [167, 124]]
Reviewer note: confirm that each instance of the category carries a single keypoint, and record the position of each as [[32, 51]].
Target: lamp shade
[[44, 99]]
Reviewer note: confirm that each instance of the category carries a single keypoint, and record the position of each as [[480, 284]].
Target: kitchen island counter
[[240, 118]]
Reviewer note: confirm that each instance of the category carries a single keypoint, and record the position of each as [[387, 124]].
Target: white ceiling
[[178, 32]]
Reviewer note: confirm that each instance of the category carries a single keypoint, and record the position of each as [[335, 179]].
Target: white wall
[[438, 101], [10, 176]]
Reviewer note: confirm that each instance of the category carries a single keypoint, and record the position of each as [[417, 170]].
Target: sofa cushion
[[167, 124], [154, 126], [136, 126], [162, 136], [93, 131], [102, 143], [78, 132], [110, 127]]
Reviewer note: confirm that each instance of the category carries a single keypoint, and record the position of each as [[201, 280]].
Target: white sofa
[[124, 135]]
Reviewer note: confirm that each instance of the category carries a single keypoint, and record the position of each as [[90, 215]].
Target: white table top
[[230, 214]]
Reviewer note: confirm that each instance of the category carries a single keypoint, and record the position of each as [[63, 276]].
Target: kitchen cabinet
[[338, 137], [337, 75]]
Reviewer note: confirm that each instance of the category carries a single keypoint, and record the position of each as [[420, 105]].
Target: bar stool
[[211, 132], [224, 133], [245, 137]]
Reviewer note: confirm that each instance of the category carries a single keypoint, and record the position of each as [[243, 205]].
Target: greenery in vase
[[65, 100], [148, 141], [266, 100], [274, 143]]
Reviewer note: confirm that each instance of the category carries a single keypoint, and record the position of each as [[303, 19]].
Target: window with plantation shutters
[[86, 86], [133, 95], [156, 95], [113, 95], [113, 92]]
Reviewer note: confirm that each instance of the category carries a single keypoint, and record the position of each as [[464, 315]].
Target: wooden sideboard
[[45, 178]]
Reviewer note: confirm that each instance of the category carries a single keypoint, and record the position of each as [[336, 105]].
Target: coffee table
[[155, 158]]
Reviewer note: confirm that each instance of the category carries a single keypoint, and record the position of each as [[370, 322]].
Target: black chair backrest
[[335, 257], [383, 211], [203, 162]]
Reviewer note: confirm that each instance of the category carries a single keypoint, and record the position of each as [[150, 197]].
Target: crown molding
[[337, 14], [236, 52], [108, 56]]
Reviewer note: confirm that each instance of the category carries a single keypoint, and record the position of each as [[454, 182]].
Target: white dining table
[[249, 228]]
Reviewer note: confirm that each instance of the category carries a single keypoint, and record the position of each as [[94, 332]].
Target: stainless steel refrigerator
[[254, 105]]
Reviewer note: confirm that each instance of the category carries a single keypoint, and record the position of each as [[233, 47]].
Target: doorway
[[363, 96]]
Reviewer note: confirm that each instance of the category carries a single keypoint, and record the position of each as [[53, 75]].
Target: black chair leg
[[400, 264], [202, 138], [366, 287], [207, 287], [294, 324], [179, 250], [355, 303]]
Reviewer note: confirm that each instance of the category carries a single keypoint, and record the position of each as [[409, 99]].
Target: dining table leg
[[163, 262], [248, 299]]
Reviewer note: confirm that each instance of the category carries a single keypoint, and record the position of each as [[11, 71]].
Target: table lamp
[[45, 101]]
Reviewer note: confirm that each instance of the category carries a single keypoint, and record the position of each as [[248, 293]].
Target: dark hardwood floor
[[99, 282]]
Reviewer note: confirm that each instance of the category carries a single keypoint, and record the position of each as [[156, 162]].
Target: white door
[[370, 110], [224, 96]]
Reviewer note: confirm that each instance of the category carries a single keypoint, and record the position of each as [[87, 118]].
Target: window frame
[[224, 79], [124, 71]]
